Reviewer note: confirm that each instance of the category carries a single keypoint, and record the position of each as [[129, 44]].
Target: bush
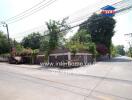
[[26, 52], [102, 49]]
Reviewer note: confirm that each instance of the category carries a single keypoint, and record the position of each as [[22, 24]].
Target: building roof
[[66, 50], [60, 50]]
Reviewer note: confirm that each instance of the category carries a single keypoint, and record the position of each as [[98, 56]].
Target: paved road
[[102, 81]]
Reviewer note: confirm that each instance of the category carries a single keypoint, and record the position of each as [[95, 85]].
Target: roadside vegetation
[[94, 35], [4, 46], [129, 52]]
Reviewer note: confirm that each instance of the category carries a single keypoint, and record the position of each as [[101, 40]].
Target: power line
[[90, 9], [16, 19], [86, 16], [29, 14], [102, 1], [40, 29], [76, 26], [33, 10], [120, 6], [25, 11]]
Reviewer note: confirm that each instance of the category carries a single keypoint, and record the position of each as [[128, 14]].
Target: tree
[[82, 36], [53, 35], [120, 50], [44, 43], [32, 41], [113, 51], [82, 41], [56, 32], [129, 52], [19, 49], [76, 46], [101, 29], [4, 46]]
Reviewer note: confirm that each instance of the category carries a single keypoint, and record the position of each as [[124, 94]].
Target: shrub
[[102, 49]]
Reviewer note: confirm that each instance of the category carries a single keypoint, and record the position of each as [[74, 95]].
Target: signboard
[[108, 11]]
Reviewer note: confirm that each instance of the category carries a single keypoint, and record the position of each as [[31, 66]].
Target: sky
[[56, 11], [123, 26]]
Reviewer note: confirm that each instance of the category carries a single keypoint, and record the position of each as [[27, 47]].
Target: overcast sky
[[56, 11]]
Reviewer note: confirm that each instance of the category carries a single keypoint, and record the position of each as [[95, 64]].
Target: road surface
[[103, 81]]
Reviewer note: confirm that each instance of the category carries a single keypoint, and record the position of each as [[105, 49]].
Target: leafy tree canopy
[[4, 46], [55, 38], [101, 29], [44, 43], [32, 41], [120, 50], [113, 50], [81, 41], [76, 46], [129, 52], [82, 36]]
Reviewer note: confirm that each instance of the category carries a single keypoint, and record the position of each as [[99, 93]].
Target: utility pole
[[8, 36]]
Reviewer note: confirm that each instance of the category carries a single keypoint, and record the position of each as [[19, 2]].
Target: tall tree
[[53, 35], [57, 30], [44, 43], [120, 50], [101, 29], [32, 41], [4, 46]]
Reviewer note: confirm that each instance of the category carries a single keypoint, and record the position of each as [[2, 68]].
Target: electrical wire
[[86, 16], [25, 15], [35, 9], [25, 11]]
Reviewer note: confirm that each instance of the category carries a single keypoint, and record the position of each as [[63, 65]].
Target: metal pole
[[8, 36]]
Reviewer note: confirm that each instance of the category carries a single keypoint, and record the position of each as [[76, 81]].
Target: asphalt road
[[103, 81]]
